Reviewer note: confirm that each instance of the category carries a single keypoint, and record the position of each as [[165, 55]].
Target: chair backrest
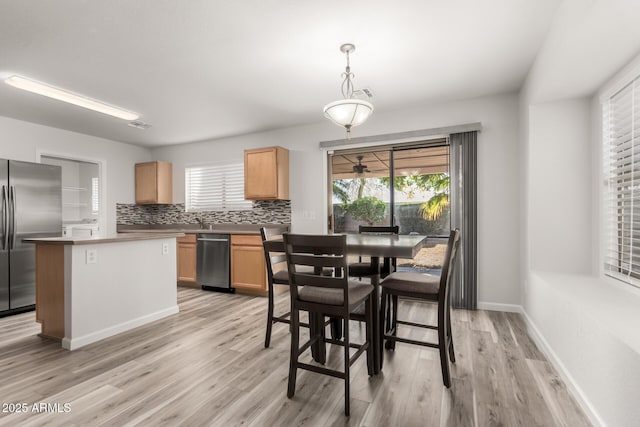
[[387, 263], [272, 258], [375, 229], [453, 245], [319, 252]]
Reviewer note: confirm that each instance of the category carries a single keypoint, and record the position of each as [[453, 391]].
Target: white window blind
[[215, 187], [95, 194], [621, 127]]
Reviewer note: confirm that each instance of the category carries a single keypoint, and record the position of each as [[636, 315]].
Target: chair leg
[[444, 359], [452, 355], [267, 338], [347, 377], [368, 316], [293, 358], [320, 332], [387, 313], [382, 321], [393, 307]]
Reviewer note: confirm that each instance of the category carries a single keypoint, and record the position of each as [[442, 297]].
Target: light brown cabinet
[[266, 174], [187, 260], [248, 269], [154, 183]]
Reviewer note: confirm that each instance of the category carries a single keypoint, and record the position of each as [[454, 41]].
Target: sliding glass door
[[403, 186], [421, 190], [421, 202], [360, 189]]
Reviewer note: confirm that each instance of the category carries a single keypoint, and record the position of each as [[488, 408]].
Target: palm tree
[[437, 183], [341, 190]]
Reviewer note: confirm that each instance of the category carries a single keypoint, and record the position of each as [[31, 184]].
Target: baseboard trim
[[75, 343], [495, 306], [575, 390]]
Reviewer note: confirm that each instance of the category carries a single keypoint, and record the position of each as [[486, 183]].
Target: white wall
[[585, 324], [498, 178], [23, 141], [559, 186]]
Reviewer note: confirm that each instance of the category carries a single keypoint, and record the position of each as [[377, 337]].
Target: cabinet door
[[248, 270], [164, 183], [260, 174], [154, 183], [187, 262], [146, 182]]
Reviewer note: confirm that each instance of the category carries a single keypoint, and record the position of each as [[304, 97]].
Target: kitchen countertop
[[250, 229], [128, 237]]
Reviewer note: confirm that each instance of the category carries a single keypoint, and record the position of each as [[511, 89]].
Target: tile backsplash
[[263, 212]]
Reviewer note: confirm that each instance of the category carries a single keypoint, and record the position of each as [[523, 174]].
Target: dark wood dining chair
[[424, 287], [274, 277], [334, 296], [277, 274], [365, 268]]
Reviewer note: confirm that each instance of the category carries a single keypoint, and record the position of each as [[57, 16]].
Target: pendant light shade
[[350, 111]]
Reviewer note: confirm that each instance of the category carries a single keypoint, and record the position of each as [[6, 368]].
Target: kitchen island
[[247, 268], [88, 289]]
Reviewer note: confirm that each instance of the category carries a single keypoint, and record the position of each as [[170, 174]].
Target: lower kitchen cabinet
[[187, 260], [248, 269]]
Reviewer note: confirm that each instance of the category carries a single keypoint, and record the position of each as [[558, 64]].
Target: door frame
[[102, 174]]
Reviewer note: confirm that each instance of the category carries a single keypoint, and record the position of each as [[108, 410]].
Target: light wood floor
[[207, 365]]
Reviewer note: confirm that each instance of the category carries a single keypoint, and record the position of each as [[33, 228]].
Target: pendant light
[[350, 111]]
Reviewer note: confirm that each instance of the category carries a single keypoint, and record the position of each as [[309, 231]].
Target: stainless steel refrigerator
[[30, 206]]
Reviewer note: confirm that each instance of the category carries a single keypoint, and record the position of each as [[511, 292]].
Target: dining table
[[374, 246]]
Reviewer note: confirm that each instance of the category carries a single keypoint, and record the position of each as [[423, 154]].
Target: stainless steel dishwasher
[[212, 265]]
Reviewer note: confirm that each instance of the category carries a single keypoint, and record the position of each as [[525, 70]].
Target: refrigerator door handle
[[12, 207], [5, 231]]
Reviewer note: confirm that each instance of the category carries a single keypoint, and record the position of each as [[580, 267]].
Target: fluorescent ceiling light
[[72, 98]]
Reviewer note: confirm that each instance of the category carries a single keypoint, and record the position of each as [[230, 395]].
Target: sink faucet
[[200, 221]]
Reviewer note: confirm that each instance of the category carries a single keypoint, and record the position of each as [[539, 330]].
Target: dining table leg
[[316, 327]]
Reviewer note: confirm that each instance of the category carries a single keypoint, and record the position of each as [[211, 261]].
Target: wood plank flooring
[[207, 365]]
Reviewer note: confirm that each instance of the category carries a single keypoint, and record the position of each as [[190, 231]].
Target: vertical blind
[[215, 187], [621, 128], [464, 213]]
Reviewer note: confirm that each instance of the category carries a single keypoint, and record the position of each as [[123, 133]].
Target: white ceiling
[[204, 69]]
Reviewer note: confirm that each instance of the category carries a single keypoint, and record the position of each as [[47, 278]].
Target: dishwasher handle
[[213, 240]]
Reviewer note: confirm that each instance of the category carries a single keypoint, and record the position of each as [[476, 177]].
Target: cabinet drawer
[[246, 240], [189, 238]]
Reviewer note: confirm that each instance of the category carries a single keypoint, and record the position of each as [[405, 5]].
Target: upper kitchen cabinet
[[266, 174], [154, 183]]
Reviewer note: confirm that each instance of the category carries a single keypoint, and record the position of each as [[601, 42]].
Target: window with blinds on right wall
[[621, 170]]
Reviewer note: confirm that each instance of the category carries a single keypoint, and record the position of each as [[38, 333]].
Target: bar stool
[[334, 296], [424, 287]]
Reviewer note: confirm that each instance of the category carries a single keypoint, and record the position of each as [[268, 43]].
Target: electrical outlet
[[91, 256], [309, 215], [165, 249]]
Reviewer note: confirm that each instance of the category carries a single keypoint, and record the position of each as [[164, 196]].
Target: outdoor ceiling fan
[[360, 169]]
